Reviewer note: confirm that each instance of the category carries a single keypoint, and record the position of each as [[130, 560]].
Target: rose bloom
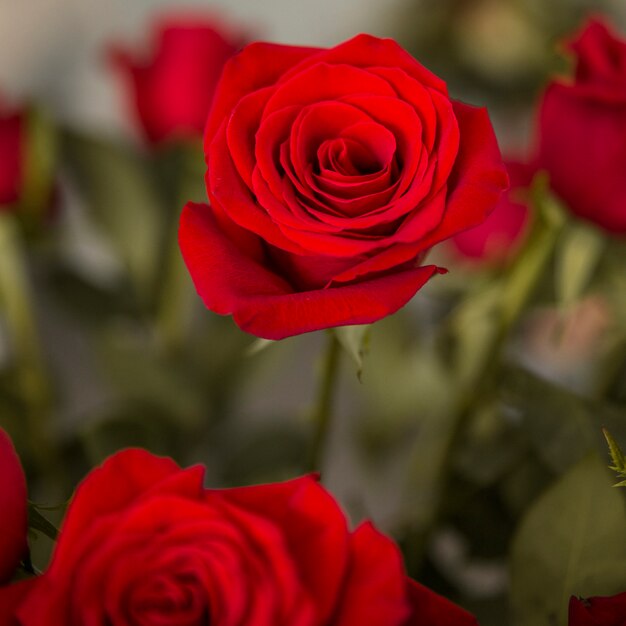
[[11, 156], [609, 611], [172, 88], [13, 509], [582, 130], [144, 543], [498, 238], [330, 175]]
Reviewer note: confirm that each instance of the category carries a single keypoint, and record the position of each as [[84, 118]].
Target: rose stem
[[322, 413], [15, 294]]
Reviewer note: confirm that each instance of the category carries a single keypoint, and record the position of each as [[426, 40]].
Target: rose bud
[[11, 156], [582, 130], [498, 238], [13, 509], [331, 173], [609, 611], [145, 543], [171, 90]]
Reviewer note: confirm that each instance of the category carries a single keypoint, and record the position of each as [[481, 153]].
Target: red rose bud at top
[[145, 543], [13, 509], [172, 88], [499, 237], [610, 611], [330, 174], [582, 131], [11, 156]]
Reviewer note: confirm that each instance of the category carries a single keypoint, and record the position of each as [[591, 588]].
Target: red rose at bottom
[[13, 511], [144, 543], [609, 611]]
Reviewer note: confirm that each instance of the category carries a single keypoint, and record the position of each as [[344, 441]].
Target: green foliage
[[572, 541], [355, 341], [617, 456]]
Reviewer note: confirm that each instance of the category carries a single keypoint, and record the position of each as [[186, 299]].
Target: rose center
[[169, 600], [347, 157]]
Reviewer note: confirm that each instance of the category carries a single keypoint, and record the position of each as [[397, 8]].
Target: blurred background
[[123, 358]]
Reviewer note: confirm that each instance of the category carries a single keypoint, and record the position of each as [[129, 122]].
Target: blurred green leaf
[[354, 340], [578, 253], [562, 427], [571, 542], [124, 202]]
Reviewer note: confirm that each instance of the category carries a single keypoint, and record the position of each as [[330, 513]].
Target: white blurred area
[[54, 50]]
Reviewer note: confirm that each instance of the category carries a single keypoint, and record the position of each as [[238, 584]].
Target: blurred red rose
[[172, 89], [499, 237], [331, 173], [582, 130], [11, 156], [145, 543], [13, 509], [609, 611]]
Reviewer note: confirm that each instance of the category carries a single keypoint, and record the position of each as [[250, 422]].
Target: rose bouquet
[[410, 408]]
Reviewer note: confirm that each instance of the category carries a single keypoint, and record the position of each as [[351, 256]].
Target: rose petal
[[431, 609], [264, 304]]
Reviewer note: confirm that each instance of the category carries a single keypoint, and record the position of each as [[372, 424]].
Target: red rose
[[582, 142], [330, 174], [598, 611], [11, 157], [172, 91], [13, 512], [499, 237], [145, 543]]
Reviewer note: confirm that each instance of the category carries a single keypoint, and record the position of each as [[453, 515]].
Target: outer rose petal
[[375, 591], [600, 611], [498, 238], [315, 531], [257, 65], [11, 597], [113, 487], [601, 56], [264, 304], [13, 512], [431, 609], [583, 148]]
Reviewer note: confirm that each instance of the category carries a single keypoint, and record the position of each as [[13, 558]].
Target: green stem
[[514, 290], [32, 380], [176, 294], [322, 415]]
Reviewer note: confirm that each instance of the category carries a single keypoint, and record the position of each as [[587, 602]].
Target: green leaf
[[617, 456], [579, 251], [562, 427], [354, 340], [258, 346], [38, 522], [571, 542], [123, 202]]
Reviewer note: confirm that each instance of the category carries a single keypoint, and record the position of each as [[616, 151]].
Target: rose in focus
[[172, 89], [330, 175], [145, 543], [499, 237], [13, 511], [601, 611], [582, 130]]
